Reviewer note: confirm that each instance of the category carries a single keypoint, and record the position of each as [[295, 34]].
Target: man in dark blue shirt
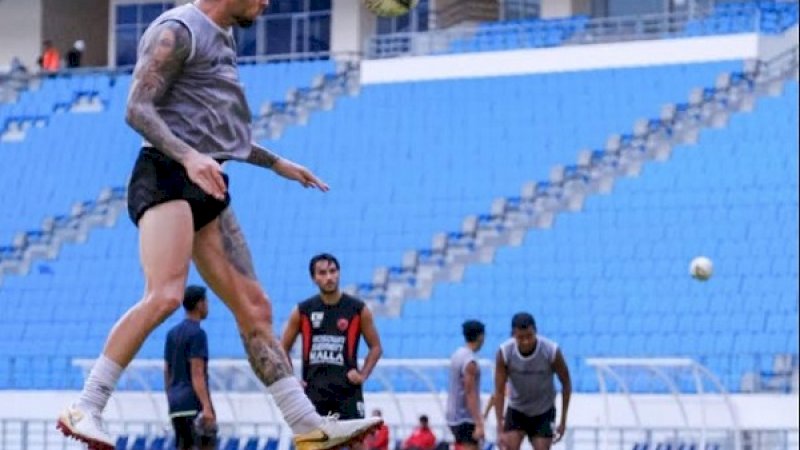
[[186, 376]]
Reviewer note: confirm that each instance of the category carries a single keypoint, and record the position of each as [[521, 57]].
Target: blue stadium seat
[[271, 444], [122, 442], [159, 443], [608, 281], [140, 443], [231, 444], [251, 444]]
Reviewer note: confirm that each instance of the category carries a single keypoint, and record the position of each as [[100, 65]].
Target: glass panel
[[634, 7], [127, 14], [278, 34], [520, 9], [422, 14], [286, 6], [599, 8], [150, 11], [417, 20], [402, 23], [319, 5], [127, 38], [385, 26], [299, 33], [319, 33], [246, 41]]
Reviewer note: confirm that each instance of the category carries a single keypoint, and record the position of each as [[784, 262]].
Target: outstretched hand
[[293, 171], [559, 432]]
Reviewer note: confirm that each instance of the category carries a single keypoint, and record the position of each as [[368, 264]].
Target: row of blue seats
[[92, 135], [142, 442], [742, 17], [727, 18], [282, 258], [530, 33], [676, 446]]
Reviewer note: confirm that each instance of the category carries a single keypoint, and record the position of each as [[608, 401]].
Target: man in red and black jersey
[[331, 324]]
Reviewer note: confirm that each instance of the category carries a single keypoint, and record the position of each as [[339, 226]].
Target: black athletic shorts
[[462, 433], [347, 403], [187, 436], [157, 179], [532, 426]]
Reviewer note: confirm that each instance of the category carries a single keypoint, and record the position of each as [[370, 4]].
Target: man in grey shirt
[[189, 106], [527, 363], [463, 399]]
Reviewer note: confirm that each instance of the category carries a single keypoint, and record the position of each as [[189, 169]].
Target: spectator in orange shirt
[[50, 61], [379, 439], [422, 438]]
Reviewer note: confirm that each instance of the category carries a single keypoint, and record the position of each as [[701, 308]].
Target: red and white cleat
[[334, 433], [84, 427]]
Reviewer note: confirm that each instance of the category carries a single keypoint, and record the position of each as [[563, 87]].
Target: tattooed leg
[[266, 357], [223, 259]]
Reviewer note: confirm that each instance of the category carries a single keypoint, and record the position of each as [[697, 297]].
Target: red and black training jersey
[[331, 334]]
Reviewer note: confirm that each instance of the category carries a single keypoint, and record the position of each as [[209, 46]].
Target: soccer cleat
[[84, 427], [334, 433]]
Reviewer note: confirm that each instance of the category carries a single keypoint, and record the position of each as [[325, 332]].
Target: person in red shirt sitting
[[379, 439], [422, 438]]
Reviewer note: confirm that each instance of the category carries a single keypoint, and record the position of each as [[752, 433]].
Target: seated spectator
[[422, 438], [379, 439], [17, 67]]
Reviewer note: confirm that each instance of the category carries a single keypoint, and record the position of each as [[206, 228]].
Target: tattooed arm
[[165, 52], [166, 49], [261, 157]]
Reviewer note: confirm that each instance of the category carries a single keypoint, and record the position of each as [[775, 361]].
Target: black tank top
[[331, 334]]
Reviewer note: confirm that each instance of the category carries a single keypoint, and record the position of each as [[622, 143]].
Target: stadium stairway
[[511, 218], [45, 243]]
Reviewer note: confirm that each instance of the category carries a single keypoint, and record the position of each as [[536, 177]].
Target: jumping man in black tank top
[[331, 324], [189, 106]]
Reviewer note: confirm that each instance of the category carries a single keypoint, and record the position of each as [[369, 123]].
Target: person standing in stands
[[75, 54], [50, 61], [463, 399], [331, 324], [186, 376], [527, 363]]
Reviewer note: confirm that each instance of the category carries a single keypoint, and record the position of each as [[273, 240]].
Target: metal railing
[[39, 434], [606, 29]]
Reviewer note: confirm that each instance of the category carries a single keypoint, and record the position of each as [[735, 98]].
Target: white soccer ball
[[701, 268], [390, 8]]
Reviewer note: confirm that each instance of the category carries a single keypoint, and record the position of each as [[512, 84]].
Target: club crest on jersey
[[316, 318], [342, 324]]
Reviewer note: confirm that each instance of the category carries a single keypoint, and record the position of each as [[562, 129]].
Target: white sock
[[99, 385], [296, 408]]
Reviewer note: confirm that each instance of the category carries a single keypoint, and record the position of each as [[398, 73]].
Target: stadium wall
[[351, 26], [755, 411], [20, 31], [578, 57]]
